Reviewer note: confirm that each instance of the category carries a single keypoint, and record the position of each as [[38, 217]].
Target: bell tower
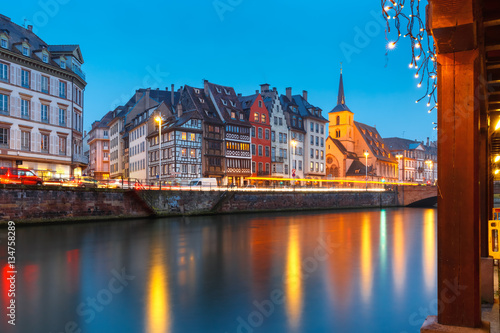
[[341, 120]]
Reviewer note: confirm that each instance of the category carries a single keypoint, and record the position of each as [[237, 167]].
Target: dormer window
[[241, 116], [202, 100], [5, 44], [223, 101], [45, 58], [218, 89], [232, 103], [226, 91], [63, 64], [26, 51], [197, 91], [233, 115]]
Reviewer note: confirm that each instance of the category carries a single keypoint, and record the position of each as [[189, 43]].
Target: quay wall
[[43, 204]]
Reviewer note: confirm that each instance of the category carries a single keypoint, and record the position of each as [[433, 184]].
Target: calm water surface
[[330, 271]]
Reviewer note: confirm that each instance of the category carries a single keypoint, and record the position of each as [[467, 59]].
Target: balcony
[[277, 159], [263, 173], [80, 159], [78, 71]]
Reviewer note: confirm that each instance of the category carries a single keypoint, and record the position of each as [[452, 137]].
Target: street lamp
[[366, 168], [399, 156], [159, 120]]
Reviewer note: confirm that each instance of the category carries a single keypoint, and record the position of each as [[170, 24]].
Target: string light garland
[[423, 50]]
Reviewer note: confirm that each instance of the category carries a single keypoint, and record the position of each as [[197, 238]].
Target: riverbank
[[44, 204]]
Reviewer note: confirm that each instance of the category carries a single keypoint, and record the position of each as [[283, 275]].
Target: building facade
[[98, 142], [41, 103]]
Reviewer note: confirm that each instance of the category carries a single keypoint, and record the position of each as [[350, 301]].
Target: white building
[[41, 103]]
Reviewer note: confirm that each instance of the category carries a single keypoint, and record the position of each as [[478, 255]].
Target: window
[[256, 117], [300, 165], [25, 140], [300, 122], [322, 129], [62, 145], [253, 132], [273, 136], [273, 153], [275, 120], [184, 152], [26, 51], [193, 137], [62, 120], [193, 169], [312, 127], [25, 78], [322, 153], [312, 139], [317, 128], [260, 167], [284, 138], [253, 167], [263, 118], [45, 84], [322, 142], [317, 166], [192, 153], [267, 134], [260, 104], [4, 104], [62, 89], [253, 149], [267, 151], [184, 136], [63, 64], [294, 121], [4, 72], [317, 153], [312, 153], [312, 166], [223, 101], [317, 141], [260, 133], [25, 109], [44, 113], [281, 121], [44, 143], [337, 133], [4, 43], [45, 58], [233, 115], [260, 150], [4, 137], [284, 153]]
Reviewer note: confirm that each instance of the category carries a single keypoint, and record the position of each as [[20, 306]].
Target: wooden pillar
[[458, 204]]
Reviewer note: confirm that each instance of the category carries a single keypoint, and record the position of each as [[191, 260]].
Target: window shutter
[[53, 117], [18, 139], [18, 71], [33, 80], [38, 82], [12, 74], [38, 111], [32, 113], [33, 141], [52, 86], [38, 142], [69, 90], [57, 87], [17, 107], [52, 143]]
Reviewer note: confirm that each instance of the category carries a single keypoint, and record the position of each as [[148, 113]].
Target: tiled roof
[[306, 109], [399, 144], [375, 142], [357, 168], [343, 150], [228, 95], [191, 101], [287, 106]]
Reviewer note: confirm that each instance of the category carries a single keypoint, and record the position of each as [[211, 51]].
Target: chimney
[[147, 97], [264, 87], [304, 94], [166, 88], [172, 95], [179, 110], [289, 93], [256, 91], [239, 95], [274, 89], [427, 141], [30, 27]]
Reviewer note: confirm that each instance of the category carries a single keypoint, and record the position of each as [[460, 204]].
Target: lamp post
[[293, 144], [158, 120], [399, 156], [366, 168], [430, 165]]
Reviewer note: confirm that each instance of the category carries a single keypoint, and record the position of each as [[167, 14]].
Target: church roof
[[375, 142]]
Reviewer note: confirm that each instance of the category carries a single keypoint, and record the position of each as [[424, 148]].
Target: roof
[[228, 95], [375, 142], [196, 99], [343, 150], [247, 101], [288, 106], [341, 106], [400, 144], [18, 34], [307, 110], [357, 168]]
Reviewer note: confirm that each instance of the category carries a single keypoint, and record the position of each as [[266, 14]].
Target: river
[[368, 270]]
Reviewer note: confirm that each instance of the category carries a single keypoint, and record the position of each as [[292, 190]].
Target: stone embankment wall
[[34, 204]]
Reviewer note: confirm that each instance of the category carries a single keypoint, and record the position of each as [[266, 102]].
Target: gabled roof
[[341, 106], [343, 150], [247, 101], [190, 100], [374, 142], [73, 50], [306, 109], [227, 94], [357, 168], [287, 106]]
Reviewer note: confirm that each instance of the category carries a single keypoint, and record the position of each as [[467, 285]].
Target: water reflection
[[221, 273]]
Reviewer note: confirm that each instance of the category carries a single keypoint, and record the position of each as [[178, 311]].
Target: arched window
[[337, 133], [263, 118], [338, 120]]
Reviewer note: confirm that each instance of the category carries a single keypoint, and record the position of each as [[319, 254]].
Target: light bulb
[[391, 45], [410, 65], [416, 75], [419, 85]]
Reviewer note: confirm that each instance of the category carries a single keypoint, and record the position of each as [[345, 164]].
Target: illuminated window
[[263, 118], [184, 152], [184, 136], [193, 137], [193, 153]]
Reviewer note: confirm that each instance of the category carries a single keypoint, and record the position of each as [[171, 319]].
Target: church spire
[[341, 98]]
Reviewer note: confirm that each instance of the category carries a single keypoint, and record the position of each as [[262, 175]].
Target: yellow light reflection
[[158, 307], [293, 279], [429, 257], [383, 241], [399, 253], [366, 259]]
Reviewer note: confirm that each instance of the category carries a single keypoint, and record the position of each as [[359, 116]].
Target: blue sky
[[239, 43]]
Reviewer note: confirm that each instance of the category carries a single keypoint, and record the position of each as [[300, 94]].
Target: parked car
[[19, 176], [121, 183]]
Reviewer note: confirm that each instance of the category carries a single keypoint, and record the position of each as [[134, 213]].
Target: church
[[354, 149]]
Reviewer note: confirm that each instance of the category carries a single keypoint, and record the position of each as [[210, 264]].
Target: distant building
[[41, 103], [348, 142], [256, 112], [98, 142]]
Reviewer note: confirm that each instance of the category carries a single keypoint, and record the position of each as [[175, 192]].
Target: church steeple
[[341, 97]]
